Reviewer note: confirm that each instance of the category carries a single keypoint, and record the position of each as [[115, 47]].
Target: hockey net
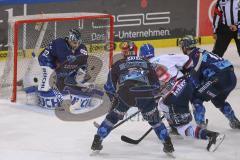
[[28, 34]]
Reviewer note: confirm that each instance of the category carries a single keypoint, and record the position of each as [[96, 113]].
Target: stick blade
[[129, 140]]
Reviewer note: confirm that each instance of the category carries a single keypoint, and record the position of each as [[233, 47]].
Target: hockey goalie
[[64, 64]]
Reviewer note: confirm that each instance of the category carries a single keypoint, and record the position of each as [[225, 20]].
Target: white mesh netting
[[33, 34]]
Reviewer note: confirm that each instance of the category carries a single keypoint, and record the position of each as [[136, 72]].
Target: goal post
[[97, 34]]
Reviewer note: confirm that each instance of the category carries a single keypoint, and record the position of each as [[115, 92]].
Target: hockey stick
[[120, 123], [65, 103], [34, 59], [38, 45], [133, 141]]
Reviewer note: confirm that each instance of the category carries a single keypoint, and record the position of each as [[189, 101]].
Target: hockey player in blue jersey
[[67, 57], [176, 92], [125, 80], [213, 78]]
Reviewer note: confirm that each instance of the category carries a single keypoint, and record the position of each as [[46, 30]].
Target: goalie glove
[[79, 79]]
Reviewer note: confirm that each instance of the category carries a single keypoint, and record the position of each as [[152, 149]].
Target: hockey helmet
[[146, 51], [188, 42], [128, 48], [74, 38], [74, 35]]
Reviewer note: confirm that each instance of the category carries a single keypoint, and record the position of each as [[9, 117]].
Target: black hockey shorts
[[226, 83], [178, 103]]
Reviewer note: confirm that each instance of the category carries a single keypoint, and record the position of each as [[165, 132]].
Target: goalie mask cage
[[32, 33]]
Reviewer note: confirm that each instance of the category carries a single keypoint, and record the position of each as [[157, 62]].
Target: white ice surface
[[30, 133]]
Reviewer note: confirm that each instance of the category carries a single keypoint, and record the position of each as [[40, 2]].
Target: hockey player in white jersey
[[176, 93]]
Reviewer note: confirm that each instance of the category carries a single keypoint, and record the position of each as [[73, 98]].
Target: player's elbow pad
[[46, 61], [45, 78]]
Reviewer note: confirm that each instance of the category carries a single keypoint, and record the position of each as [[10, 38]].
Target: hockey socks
[[104, 129], [161, 131], [199, 113]]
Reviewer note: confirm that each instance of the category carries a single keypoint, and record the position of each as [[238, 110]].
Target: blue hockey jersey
[[58, 52], [206, 64]]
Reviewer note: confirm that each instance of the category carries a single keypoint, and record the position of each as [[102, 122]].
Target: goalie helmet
[[74, 35], [146, 51], [128, 48], [74, 38]]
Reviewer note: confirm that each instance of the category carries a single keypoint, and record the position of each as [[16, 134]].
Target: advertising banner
[[7, 2], [134, 20], [206, 10]]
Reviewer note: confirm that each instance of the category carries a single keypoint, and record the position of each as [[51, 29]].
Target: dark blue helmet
[[74, 35], [187, 42], [146, 51]]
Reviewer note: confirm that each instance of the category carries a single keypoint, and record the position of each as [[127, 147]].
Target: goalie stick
[[64, 103], [42, 29], [34, 60]]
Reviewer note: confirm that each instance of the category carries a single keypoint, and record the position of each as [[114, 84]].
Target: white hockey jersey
[[170, 65]]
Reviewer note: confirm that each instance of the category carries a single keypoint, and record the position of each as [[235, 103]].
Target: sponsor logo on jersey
[[205, 86], [211, 94], [179, 88]]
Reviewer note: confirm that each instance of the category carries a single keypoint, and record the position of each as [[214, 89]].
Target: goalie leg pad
[[45, 79], [48, 100]]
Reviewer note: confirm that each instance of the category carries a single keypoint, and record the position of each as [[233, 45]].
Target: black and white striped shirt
[[226, 12]]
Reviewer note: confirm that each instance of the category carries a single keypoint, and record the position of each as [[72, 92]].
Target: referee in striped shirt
[[225, 25]]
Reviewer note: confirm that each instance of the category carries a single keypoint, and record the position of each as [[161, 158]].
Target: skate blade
[[219, 140]]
